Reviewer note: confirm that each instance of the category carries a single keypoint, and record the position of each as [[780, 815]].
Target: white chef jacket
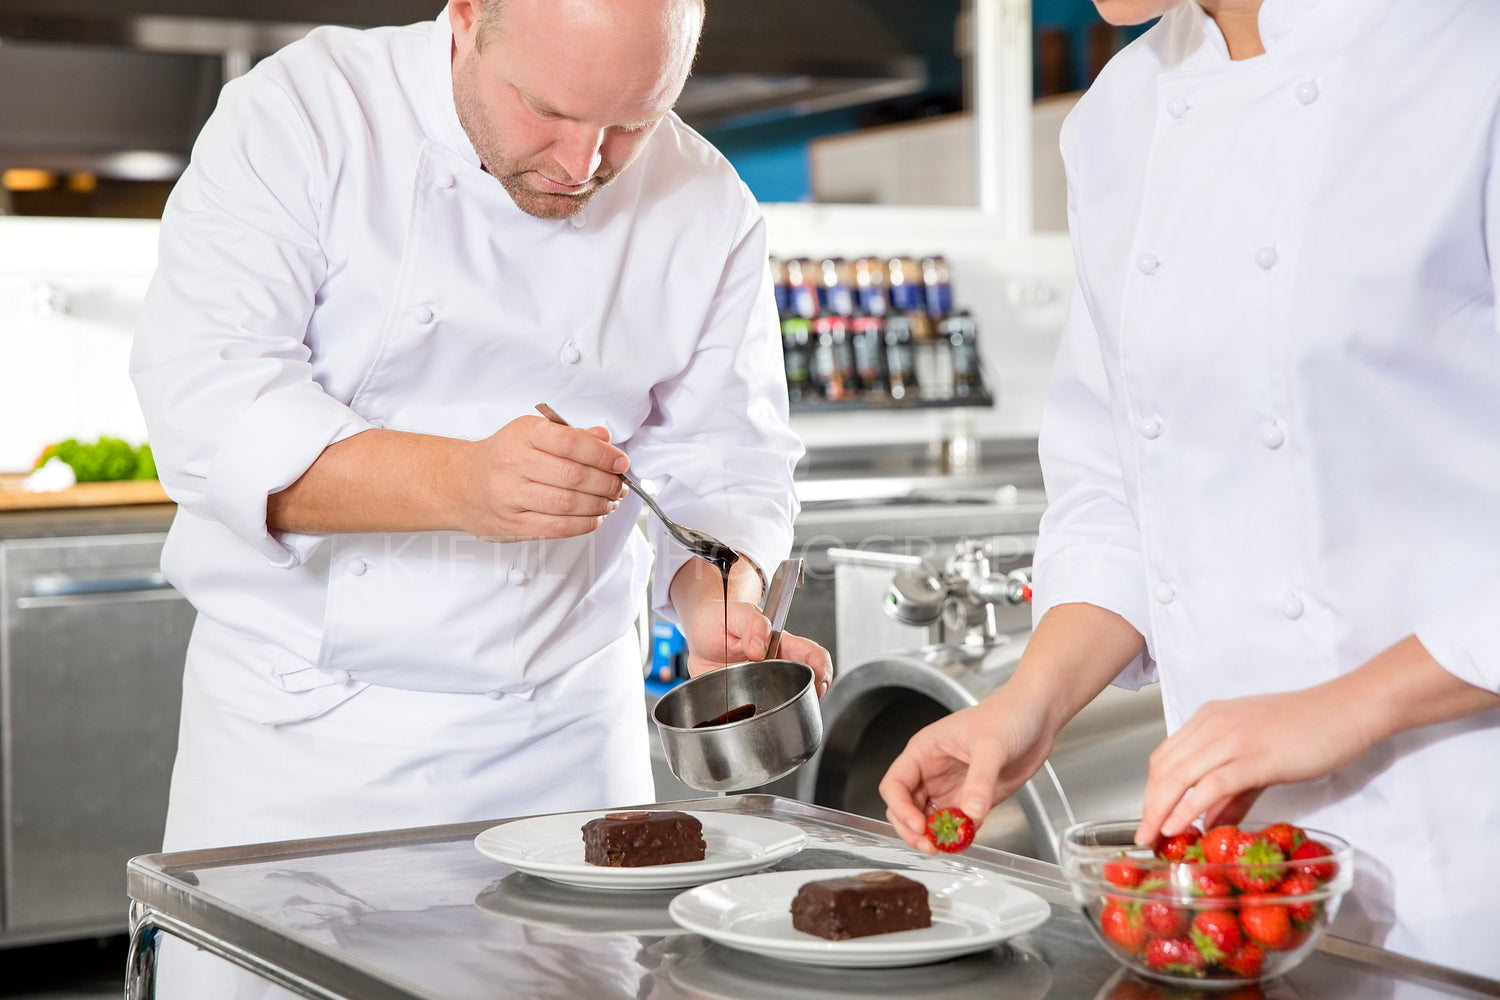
[[335, 259], [1272, 440]]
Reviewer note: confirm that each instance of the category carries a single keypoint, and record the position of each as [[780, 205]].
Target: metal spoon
[[699, 543]]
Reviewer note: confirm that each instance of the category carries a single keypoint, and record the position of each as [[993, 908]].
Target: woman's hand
[[1216, 764], [971, 759], [978, 756]]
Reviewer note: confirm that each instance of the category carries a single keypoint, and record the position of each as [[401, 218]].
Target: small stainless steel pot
[[784, 732]]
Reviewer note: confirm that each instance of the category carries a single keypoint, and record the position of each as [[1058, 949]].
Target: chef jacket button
[[1177, 107], [1307, 91], [570, 354], [578, 221], [1266, 257], [357, 567], [1271, 434], [1291, 606], [494, 694], [444, 181], [422, 314], [342, 676], [516, 577], [1147, 263], [1164, 593], [1151, 428]]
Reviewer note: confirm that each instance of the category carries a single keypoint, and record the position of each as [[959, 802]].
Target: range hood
[[121, 87]]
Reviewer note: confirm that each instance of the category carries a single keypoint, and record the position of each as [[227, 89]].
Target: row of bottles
[[867, 286], [877, 330]]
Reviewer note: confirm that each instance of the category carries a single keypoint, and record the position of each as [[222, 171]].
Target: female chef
[[1272, 449]]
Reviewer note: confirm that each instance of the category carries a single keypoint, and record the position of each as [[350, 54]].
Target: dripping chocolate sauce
[[724, 557]]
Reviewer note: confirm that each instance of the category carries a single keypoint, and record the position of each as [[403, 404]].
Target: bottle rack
[[875, 334]]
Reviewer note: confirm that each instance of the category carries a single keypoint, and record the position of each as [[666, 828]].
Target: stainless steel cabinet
[[91, 651]]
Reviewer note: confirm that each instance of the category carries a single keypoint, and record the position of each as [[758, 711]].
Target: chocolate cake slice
[[861, 905], [638, 839]]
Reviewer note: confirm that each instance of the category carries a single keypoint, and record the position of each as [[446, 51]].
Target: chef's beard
[[512, 173]]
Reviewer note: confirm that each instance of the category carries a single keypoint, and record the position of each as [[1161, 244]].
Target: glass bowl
[[1205, 923]]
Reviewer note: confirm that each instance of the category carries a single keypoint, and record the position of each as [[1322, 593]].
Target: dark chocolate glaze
[[638, 839], [860, 905], [735, 714]]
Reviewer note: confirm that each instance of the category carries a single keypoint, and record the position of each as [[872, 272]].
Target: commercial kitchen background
[[928, 128]]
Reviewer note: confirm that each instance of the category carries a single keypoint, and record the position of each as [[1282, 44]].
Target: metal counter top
[[422, 915], [78, 521]]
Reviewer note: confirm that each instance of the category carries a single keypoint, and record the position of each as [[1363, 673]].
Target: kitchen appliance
[[92, 641]]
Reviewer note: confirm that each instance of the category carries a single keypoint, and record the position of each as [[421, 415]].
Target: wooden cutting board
[[137, 491]]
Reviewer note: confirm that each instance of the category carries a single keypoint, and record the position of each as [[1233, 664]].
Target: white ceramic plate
[[552, 847], [969, 913]]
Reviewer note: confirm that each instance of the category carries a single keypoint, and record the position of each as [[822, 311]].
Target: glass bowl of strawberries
[[1228, 906]]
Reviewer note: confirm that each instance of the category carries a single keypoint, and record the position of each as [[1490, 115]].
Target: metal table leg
[[146, 927], [140, 960]]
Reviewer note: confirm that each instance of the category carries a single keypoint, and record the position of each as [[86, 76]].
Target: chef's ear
[[465, 16]]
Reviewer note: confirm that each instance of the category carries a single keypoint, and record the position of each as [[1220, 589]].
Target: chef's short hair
[[490, 11]]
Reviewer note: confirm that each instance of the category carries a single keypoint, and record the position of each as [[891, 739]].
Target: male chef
[[416, 597]]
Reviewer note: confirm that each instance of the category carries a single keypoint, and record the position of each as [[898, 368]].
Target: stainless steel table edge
[[164, 900], [1392, 961], [160, 899]]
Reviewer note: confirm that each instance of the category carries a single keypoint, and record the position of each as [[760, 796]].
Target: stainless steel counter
[[421, 915]]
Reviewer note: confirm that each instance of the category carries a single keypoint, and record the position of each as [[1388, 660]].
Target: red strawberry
[[1121, 923], [1176, 955], [1308, 851], [1160, 915], [1246, 961], [1266, 924], [1175, 847], [1125, 874], [1299, 884], [1163, 919], [1285, 836], [949, 830], [1216, 933], [1218, 844], [1210, 882], [1257, 865]]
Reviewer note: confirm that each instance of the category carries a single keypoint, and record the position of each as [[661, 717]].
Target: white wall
[[70, 291], [931, 162]]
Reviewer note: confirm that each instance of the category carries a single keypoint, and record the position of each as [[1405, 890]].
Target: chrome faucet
[[964, 597]]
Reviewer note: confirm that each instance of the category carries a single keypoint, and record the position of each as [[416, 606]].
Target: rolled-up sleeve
[[220, 362], [718, 443], [1089, 545], [1465, 636]]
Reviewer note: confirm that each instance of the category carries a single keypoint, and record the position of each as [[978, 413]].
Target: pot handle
[[778, 600]]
